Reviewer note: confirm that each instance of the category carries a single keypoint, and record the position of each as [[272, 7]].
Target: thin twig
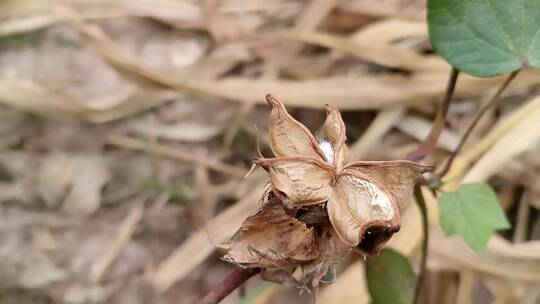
[[230, 283], [114, 249], [421, 152], [175, 153], [425, 241], [493, 101], [426, 147]]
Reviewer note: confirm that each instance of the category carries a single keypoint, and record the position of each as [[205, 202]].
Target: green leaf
[[486, 37], [474, 213], [390, 278]]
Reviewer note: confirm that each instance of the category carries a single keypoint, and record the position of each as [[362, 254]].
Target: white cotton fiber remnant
[[327, 150], [381, 201]]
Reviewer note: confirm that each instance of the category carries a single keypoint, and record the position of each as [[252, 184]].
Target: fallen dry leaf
[[76, 179]]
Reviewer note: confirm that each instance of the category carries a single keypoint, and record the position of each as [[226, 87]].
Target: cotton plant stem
[[426, 147], [493, 101], [421, 152], [228, 285], [425, 241]]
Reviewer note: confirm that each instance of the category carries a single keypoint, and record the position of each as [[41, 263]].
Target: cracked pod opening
[[374, 237]]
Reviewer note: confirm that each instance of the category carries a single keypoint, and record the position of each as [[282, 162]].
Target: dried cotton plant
[[319, 207]]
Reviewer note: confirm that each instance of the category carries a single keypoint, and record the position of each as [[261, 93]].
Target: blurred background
[[127, 126]]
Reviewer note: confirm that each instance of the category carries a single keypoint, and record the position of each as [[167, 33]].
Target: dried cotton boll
[[291, 230], [360, 196]]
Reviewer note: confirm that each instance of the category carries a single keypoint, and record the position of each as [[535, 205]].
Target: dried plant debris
[[319, 206], [271, 238], [277, 239]]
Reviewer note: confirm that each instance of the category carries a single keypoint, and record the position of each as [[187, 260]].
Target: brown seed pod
[[363, 198], [320, 207]]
